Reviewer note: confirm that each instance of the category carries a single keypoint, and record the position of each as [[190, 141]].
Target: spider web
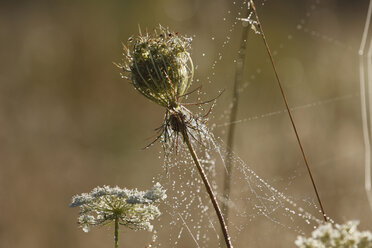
[[271, 192]]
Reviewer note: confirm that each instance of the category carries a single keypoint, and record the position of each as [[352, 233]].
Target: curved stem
[[364, 99], [287, 107], [234, 110], [116, 235], [208, 188]]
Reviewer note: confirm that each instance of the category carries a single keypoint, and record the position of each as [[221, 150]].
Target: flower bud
[[159, 66]]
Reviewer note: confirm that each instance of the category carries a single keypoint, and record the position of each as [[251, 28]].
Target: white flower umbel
[[340, 236], [131, 208]]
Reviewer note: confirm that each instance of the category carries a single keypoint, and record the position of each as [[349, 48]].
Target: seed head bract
[[159, 65]]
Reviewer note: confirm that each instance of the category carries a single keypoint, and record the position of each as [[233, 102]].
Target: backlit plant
[[160, 67], [336, 236], [130, 208]]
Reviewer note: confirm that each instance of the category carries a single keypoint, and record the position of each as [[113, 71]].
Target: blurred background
[[68, 122]]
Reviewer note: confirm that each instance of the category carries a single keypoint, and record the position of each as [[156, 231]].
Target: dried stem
[[286, 105], [116, 234], [234, 110], [363, 98], [208, 188]]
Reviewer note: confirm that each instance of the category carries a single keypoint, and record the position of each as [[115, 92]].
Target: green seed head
[[159, 65]]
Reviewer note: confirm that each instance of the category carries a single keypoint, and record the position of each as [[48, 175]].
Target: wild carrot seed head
[[159, 65]]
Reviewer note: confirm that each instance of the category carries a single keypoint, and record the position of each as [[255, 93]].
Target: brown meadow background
[[68, 122]]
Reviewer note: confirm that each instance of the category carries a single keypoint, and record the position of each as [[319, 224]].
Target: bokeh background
[[68, 122]]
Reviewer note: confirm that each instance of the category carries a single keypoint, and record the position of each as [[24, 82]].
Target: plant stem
[[287, 107], [364, 99], [234, 110], [116, 235], [208, 188]]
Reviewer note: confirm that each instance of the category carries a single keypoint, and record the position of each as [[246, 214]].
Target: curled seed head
[[159, 65]]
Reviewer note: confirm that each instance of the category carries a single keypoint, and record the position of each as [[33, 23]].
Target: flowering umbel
[[159, 65], [336, 236], [131, 208]]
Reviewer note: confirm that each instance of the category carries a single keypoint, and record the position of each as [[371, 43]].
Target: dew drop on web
[[260, 193]]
